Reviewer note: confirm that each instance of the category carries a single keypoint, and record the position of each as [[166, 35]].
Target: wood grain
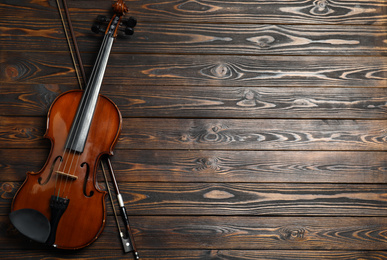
[[223, 70], [296, 11], [234, 199], [252, 129], [220, 166], [293, 12], [262, 254], [255, 39], [206, 38], [214, 102], [253, 134], [235, 134], [229, 233], [263, 233], [195, 254]]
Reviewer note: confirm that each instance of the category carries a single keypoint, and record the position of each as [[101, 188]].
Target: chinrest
[[31, 223]]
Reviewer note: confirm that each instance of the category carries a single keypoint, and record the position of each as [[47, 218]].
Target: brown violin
[[61, 204]]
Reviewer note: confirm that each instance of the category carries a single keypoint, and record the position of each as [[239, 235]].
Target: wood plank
[[255, 199], [250, 102], [28, 128], [194, 254], [214, 102], [237, 199], [294, 11], [232, 134], [262, 254], [253, 134], [262, 233], [228, 233], [204, 38], [217, 70], [255, 39], [29, 99], [220, 166]]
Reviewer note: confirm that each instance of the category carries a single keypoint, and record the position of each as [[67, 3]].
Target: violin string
[[80, 85], [87, 95], [79, 115], [79, 82], [81, 68], [70, 148]]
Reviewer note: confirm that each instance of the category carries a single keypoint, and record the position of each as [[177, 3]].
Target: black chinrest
[[31, 223]]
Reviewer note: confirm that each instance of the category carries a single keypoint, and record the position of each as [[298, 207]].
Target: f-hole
[[51, 170], [85, 183]]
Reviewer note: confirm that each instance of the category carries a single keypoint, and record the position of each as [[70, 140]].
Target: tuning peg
[[131, 22], [96, 28], [102, 19], [129, 30], [125, 31]]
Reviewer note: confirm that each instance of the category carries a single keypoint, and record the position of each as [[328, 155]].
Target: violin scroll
[[120, 8], [102, 22]]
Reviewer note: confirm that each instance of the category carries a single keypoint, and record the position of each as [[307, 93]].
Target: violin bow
[[126, 237]]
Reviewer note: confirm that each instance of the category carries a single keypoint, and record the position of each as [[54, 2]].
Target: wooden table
[[251, 129]]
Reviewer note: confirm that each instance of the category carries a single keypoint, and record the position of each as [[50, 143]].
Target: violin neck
[[82, 121]]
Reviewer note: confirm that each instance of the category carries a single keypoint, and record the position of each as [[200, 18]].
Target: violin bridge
[[68, 175]]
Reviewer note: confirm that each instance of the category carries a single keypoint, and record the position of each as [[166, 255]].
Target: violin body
[[71, 175]]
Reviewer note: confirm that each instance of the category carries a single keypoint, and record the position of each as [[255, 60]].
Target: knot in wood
[[11, 72], [303, 103], [320, 7], [208, 133], [249, 95], [27, 133], [263, 41], [216, 128], [192, 6], [185, 138], [321, 4], [248, 99], [220, 71], [6, 190], [207, 164], [292, 233], [218, 194]]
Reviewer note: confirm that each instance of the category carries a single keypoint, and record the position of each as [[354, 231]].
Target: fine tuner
[[100, 25]]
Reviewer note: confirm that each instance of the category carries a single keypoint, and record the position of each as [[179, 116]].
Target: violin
[[61, 205]]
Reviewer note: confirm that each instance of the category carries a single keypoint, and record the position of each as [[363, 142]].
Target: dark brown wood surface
[[251, 129]]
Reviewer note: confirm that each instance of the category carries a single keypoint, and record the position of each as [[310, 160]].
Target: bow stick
[[126, 237]]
